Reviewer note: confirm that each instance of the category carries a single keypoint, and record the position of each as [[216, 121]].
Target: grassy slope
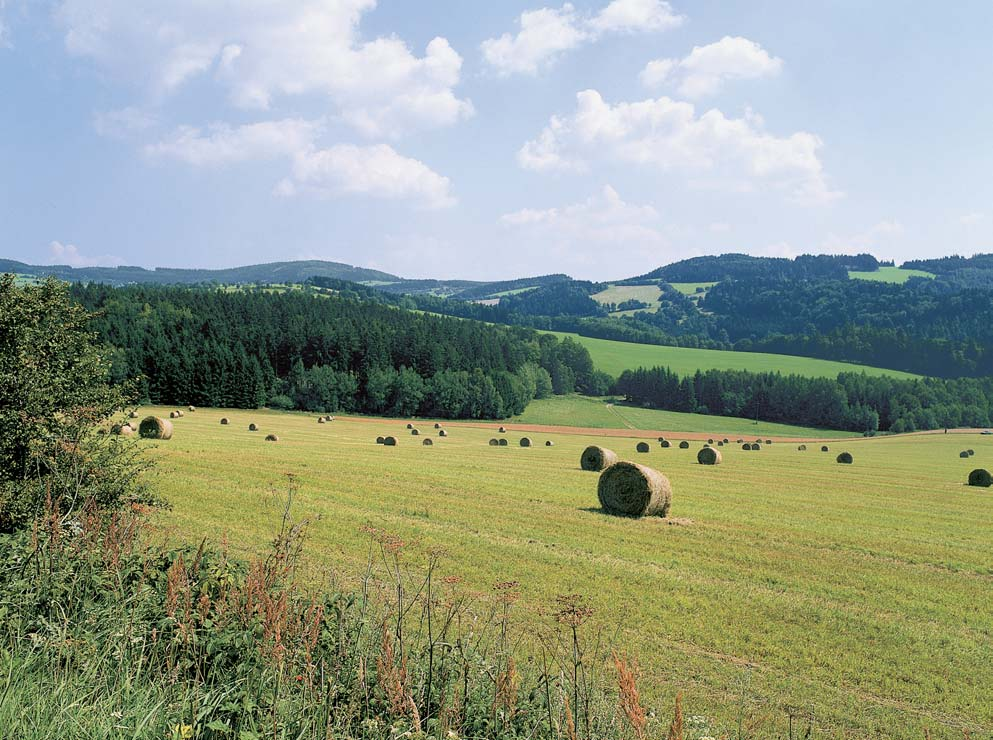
[[690, 288], [889, 275], [843, 591], [582, 411], [619, 293], [614, 357]]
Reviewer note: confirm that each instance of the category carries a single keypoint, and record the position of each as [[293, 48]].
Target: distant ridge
[[272, 272]]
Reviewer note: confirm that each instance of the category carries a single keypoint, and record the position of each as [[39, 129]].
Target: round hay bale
[[666, 444], [549, 443], [329, 417], [442, 433], [708, 456], [118, 429], [825, 448], [726, 440], [410, 426], [180, 413], [684, 445], [597, 458], [152, 427], [390, 441], [173, 414], [502, 430], [525, 441], [629, 489], [642, 447], [427, 442], [747, 447], [321, 420], [494, 442], [127, 431], [756, 447], [437, 425], [133, 415], [710, 441], [271, 438], [739, 441], [971, 452], [980, 478], [661, 439], [224, 421], [768, 441], [802, 448], [964, 453], [380, 440], [503, 443], [192, 408], [415, 432], [253, 427], [845, 458]]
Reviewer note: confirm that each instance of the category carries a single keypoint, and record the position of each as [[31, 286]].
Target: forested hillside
[[296, 350]]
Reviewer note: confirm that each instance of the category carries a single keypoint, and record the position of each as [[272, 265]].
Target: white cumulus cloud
[[340, 169], [262, 51], [69, 254], [665, 135], [705, 70], [544, 34]]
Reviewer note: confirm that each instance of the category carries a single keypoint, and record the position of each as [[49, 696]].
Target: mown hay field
[[858, 595]]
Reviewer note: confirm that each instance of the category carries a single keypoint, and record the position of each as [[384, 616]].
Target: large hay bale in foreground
[[390, 441], [597, 458], [642, 447], [747, 447], [980, 478], [964, 453], [427, 442], [845, 458], [525, 441], [271, 438], [494, 442], [708, 456], [666, 444], [253, 427], [503, 442], [224, 421], [629, 489], [152, 427], [684, 445], [825, 448], [380, 440]]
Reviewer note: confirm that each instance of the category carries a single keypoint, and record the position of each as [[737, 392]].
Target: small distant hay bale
[[684, 445], [549, 443], [971, 452], [179, 413], [642, 447], [415, 432], [442, 433], [802, 448], [825, 448], [133, 415], [756, 447], [410, 426], [127, 431], [224, 421], [390, 441], [152, 427], [503, 443], [726, 440], [271, 438], [329, 417], [321, 420], [597, 458], [666, 444], [502, 430], [747, 447], [118, 429], [768, 441], [964, 453], [494, 442], [661, 439], [629, 489], [427, 442], [525, 441], [437, 425], [710, 441], [980, 478], [708, 456], [720, 443], [739, 440], [845, 458], [192, 408], [380, 440], [173, 414], [253, 427]]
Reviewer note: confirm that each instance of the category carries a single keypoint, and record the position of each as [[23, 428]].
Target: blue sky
[[456, 138]]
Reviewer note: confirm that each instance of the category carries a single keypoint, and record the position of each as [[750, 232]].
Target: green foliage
[[54, 390]]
